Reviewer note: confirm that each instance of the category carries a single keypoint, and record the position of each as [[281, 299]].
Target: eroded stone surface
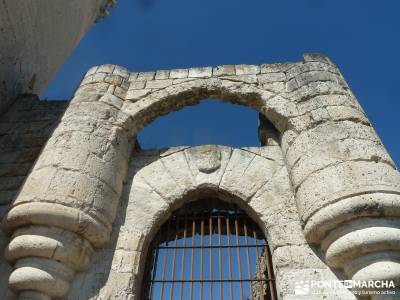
[[324, 173], [161, 181]]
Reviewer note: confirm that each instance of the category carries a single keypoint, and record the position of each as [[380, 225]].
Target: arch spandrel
[[231, 165]]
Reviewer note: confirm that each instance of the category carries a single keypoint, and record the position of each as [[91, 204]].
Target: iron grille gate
[[209, 249]]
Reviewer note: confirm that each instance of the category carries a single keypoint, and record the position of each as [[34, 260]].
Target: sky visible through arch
[[360, 36]]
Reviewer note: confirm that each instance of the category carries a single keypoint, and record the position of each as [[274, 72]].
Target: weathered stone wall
[[24, 129], [160, 181], [345, 187], [35, 39]]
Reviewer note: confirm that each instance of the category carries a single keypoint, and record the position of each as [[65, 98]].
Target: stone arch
[[144, 109], [181, 175]]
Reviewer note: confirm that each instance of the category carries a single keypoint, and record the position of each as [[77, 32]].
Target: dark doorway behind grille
[[209, 249]]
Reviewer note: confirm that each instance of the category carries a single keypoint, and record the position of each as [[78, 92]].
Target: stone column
[[69, 201], [347, 187]]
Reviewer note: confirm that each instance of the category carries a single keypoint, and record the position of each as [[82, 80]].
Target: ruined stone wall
[[24, 130], [344, 185]]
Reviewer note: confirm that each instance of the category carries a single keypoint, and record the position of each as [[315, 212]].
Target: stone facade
[[322, 187]]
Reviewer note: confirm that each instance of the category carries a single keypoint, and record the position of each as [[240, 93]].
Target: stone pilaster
[[67, 204], [347, 187]]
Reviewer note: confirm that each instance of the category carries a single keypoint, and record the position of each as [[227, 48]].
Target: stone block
[[247, 78], [313, 76], [37, 184], [179, 73], [125, 261], [335, 182], [121, 71], [225, 70], [271, 77], [162, 74], [249, 170], [112, 100], [274, 202], [177, 166], [327, 133], [208, 165], [158, 84], [118, 287], [156, 176], [340, 113], [113, 79], [99, 77], [145, 207], [200, 72], [320, 114], [137, 85], [247, 69], [128, 239], [108, 69], [182, 80], [311, 57], [133, 95], [317, 88], [296, 257], [133, 76], [91, 71], [119, 92], [145, 76], [275, 68], [334, 153], [284, 235]]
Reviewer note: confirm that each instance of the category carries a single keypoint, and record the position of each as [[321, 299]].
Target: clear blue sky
[[361, 36]]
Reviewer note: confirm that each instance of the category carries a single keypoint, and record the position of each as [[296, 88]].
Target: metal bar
[[219, 215], [208, 246], [257, 259], [171, 291], [183, 258], [217, 280], [164, 263], [269, 271], [201, 257], [210, 224], [154, 267], [239, 261], [228, 233], [192, 258], [221, 292], [247, 256], [178, 227]]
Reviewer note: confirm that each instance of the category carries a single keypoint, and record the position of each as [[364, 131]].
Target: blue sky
[[361, 36]]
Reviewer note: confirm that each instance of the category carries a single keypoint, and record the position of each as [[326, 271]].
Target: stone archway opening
[[209, 122], [146, 105], [210, 249]]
